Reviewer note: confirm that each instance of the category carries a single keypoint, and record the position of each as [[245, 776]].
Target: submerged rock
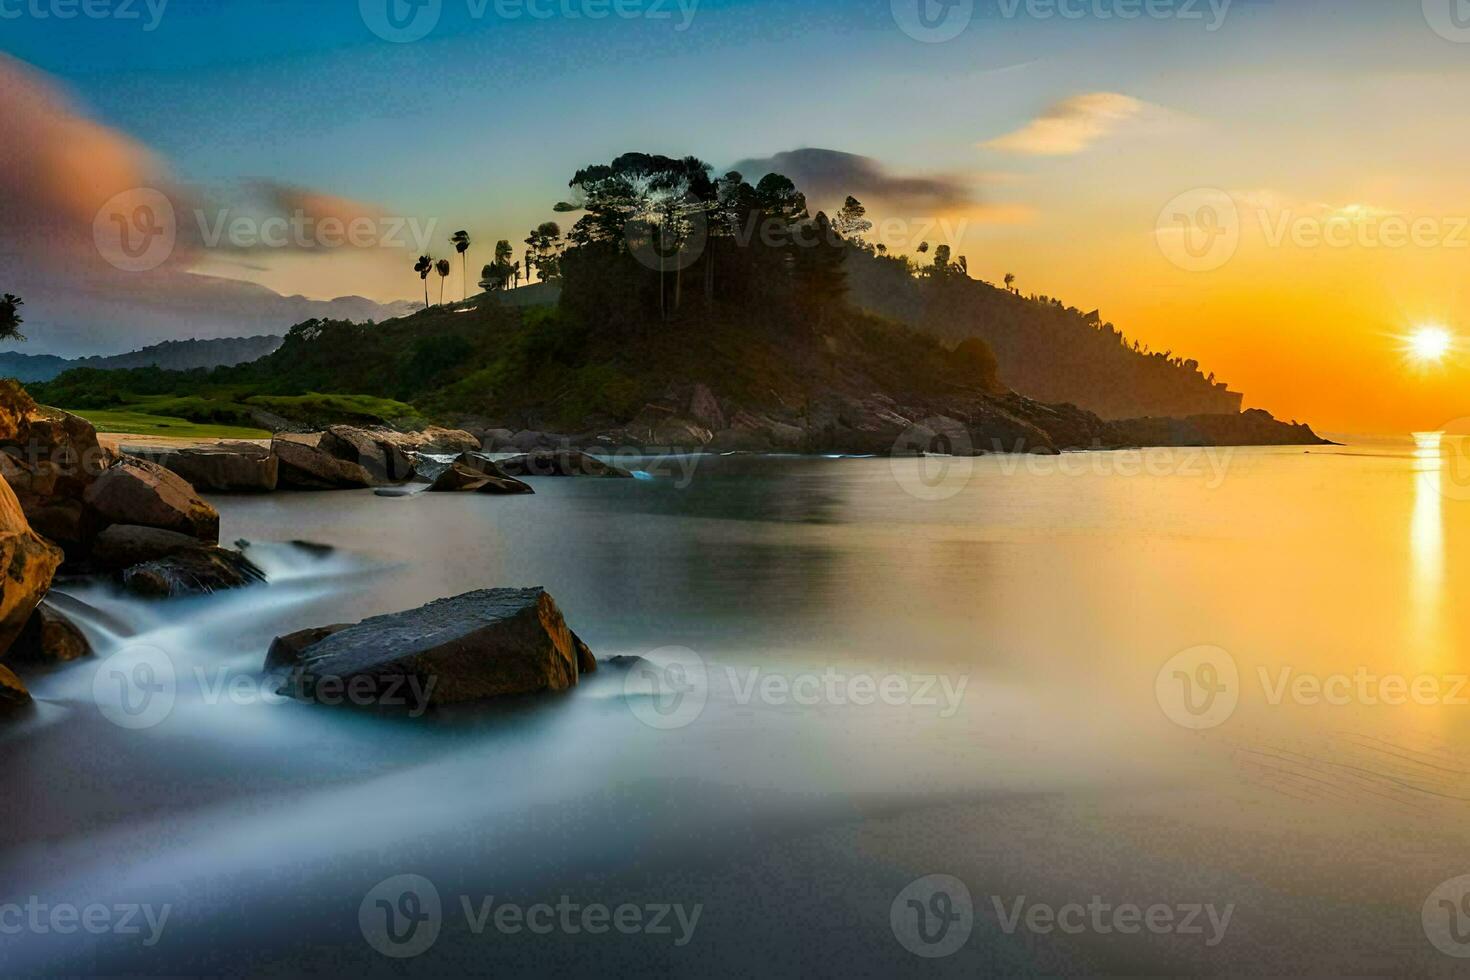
[[135, 491], [477, 474], [195, 572], [560, 462], [27, 563], [228, 467], [286, 650], [49, 637], [483, 644]]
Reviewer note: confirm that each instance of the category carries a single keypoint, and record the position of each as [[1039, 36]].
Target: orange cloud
[[1069, 126]]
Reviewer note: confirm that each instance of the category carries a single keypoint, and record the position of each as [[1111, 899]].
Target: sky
[[1276, 189]]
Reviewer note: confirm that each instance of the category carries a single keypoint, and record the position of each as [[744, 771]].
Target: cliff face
[[1044, 351]]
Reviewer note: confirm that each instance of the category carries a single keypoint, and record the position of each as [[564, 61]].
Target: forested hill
[[1044, 350], [171, 355]]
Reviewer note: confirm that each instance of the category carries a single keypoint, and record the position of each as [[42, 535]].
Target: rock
[[228, 467], [202, 570], [49, 637], [704, 408], [395, 492], [28, 563], [437, 439], [135, 491], [560, 463], [457, 478], [483, 644], [628, 661], [496, 440], [677, 433], [305, 466], [477, 474], [286, 650], [124, 545], [49, 458], [528, 439], [13, 693], [384, 461]]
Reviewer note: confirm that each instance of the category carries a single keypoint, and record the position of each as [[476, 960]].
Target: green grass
[[127, 420]]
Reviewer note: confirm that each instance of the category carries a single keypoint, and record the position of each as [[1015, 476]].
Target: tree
[[423, 267], [545, 249], [1010, 282], [515, 273], [923, 248], [490, 279], [442, 267], [852, 221], [941, 261], [10, 320], [461, 243]]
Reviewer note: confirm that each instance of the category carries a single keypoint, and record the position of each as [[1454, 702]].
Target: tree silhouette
[[423, 267], [461, 243], [10, 320], [1010, 282], [852, 221], [442, 267]]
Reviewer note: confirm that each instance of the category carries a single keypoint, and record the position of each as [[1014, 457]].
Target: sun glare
[[1429, 345]]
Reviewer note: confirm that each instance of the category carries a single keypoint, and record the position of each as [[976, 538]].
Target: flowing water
[[860, 673]]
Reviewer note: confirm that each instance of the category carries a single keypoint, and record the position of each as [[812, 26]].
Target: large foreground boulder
[[228, 467], [560, 462], [49, 458], [483, 644], [27, 563], [135, 491], [124, 545], [304, 465]]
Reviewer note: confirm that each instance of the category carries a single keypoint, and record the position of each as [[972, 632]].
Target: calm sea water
[[1073, 686]]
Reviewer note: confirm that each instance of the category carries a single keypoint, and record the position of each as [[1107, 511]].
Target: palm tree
[[1010, 281], [10, 320], [503, 255], [461, 243], [423, 267], [442, 267]]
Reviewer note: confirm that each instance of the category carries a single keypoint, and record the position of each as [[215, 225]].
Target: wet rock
[[483, 644], [49, 637], [705, 409], [196, 572], [125, 545], [228, 467], [286, 650], [457, 478], [135, 491], [305, 466], [560, 463], [395, 492], [498, 440], [27, 563], [13, 693]]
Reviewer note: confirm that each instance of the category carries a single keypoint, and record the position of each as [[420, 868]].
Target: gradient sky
[[1068, 137]]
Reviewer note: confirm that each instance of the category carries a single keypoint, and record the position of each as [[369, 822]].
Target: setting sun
[[1430, 344]]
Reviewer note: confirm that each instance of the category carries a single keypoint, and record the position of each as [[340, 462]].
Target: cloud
[[827, 177], [58, 173], [1070, 126]]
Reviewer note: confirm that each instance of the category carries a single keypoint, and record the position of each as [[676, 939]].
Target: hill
[[173, 355], [1045, 350]]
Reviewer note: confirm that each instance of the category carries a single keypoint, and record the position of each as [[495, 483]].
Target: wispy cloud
[[1070, 126]]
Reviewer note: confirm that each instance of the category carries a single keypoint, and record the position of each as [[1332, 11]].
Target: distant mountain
[[173, 355], [1043, 349]]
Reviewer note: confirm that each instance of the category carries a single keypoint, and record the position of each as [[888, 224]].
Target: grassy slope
[[148, 424]]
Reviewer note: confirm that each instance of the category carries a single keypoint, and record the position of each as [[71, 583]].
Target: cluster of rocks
[[692, 418]]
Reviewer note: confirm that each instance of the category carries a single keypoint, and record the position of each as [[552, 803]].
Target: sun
[[1429, 345]]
